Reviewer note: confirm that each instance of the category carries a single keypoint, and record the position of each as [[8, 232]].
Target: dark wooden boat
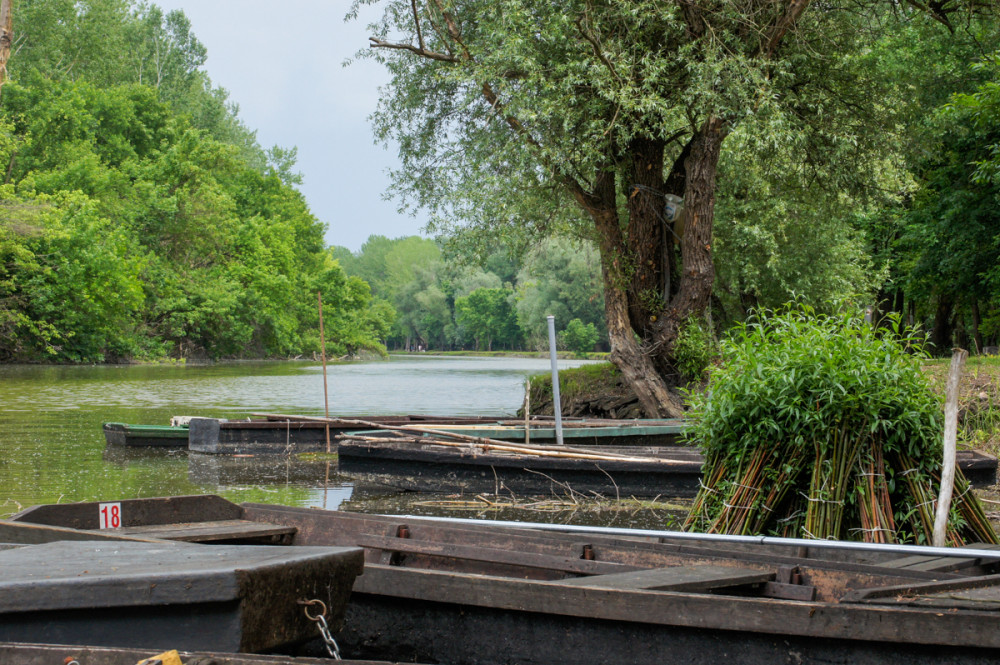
[[20, 653], [257, 435], [438, 465], [134, 592], [432, 467], [449, 591]]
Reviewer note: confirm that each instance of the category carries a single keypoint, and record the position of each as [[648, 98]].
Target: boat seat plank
[[938, 563], [490, 555], [676, 578], [205, 532]]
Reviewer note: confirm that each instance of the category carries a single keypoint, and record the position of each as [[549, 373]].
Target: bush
[[578, 337], [694, 350], [824, 427]]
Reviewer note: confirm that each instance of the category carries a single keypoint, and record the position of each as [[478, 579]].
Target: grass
[[979, 400]]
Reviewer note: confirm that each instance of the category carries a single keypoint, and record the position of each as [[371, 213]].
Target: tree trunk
[[941, 333], [644, 193], [698, 274], [636, 366], [977, 321]]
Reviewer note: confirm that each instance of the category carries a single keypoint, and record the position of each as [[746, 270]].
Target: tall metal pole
[[322, 347], [556, 405]]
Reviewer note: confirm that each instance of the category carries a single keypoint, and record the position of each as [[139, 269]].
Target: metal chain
[[324, 629]]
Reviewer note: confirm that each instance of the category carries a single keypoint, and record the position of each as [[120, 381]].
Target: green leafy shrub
[[824, 427], [579, 338], [694, 350]]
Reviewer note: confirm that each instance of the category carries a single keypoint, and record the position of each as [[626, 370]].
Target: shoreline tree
[[508, 113]]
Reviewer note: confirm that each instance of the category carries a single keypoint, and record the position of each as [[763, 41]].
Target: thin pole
[[556, 405], [527, 408], [322, 347], [950, 434]]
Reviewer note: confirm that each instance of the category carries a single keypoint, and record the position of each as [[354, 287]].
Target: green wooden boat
[[123, 434]]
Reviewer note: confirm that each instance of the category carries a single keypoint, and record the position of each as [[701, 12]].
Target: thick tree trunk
[[698, 274], [636, 366], [645, 233]]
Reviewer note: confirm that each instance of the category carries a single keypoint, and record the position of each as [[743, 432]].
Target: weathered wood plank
[[675, 578], [222, 530], [473, 553]]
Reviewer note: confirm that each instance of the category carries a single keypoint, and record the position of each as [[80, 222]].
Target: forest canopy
[[139, 218]]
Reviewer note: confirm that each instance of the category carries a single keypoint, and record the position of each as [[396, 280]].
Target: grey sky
[[281, 62]]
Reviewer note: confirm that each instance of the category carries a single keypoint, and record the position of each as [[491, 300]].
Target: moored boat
[[451, 591], [21, 653], [134, 592]]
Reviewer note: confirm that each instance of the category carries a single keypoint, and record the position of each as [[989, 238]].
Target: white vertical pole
[[556, 406], [950, 434]]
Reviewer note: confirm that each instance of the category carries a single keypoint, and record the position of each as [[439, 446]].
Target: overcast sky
[[282, 63]]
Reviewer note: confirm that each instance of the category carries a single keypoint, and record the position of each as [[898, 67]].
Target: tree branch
[[416, 24], [784, 23], [424, 53]]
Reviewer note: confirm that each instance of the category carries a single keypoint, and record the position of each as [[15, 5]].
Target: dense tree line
[[445, 299], [139, 217]]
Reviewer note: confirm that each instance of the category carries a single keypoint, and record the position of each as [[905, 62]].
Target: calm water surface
[[52, 448]]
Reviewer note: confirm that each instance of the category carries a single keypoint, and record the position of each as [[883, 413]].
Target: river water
[[52, 448]]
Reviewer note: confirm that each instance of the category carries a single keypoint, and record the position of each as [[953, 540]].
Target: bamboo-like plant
[[824, 426]]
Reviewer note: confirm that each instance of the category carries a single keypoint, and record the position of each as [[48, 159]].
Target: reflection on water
[[52, 448]]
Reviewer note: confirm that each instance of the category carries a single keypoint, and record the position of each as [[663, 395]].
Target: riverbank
[[562, 355]]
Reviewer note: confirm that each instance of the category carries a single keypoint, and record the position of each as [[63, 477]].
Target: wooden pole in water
[[322, 348], [527, 408], [950, 434]]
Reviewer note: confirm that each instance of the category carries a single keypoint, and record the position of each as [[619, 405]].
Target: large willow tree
[[514, 114]]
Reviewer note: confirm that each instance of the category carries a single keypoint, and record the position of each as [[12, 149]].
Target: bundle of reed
[[824, 427]]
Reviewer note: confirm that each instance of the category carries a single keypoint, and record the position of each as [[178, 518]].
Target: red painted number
[[111, 515]]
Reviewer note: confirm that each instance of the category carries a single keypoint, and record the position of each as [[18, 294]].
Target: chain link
[[324, 629]]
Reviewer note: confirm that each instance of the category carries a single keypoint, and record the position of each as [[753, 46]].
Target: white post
[[556, 406], [950, 434]]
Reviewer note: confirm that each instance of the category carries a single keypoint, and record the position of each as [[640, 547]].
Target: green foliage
[[138, 218], [822, 426], [562, 278], [489, 317], [578, 337], [695, 350]]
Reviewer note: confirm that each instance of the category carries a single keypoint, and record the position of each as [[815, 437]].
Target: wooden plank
[[221, 530], [936, 563], [675, 578], [472, 553], [37, 534], [918, 589]]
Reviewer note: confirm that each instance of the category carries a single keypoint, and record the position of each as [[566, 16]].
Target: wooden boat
[[256, 435], [450, 591], [123, 434], [433, 463], [20, 653], [132, 593], [430, 466]]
